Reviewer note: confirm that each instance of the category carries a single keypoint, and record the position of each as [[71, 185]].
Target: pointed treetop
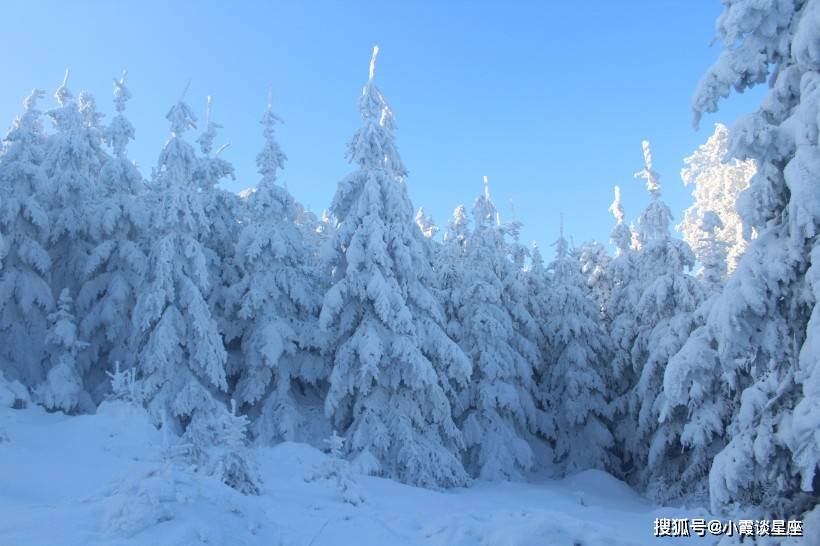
[[373, 62], [88, 108], [616, 208], [653, 179], [561, 224], [536, 260], [484, 211], [180, 115], [209, 101], [372, 103], [271, 158], [426, 224], [184, 91], [30, 103], [63, 95], [512, 210], [206, 139], [621, 235], [459, 215], [120, 131], [561, 244], [655, 219], [457, 225], [121, 92]]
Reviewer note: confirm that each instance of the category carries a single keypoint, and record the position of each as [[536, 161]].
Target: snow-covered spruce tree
[[228, 457], [717, 181], [527, 334], [391, 356], [116, 265], [74, 157], [218, 238], [450, 271], [594, 261], [277, 301], [621, 320], [180, 355], [25, 294], [711, 252], [766, 322], [538, 288], [664, 319], [576, 382], [4, 247], [336, 468], [695, 409], [498, 414], [63, 387]]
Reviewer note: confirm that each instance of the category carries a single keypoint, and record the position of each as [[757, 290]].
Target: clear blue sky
[[550, 99]]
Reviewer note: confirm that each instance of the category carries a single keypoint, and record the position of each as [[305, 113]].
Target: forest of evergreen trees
[[686, 366]]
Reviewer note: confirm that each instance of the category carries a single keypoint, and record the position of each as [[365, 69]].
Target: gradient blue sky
[[550, 99]]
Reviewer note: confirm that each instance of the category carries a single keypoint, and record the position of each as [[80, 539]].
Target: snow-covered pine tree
[[664, 319], [25, 293], [392, 357], [717, 181], [74, 157], [766, 322], [576, 382], [276, 301], [63, 387], [499, 416], [116, 265], [180, 354]]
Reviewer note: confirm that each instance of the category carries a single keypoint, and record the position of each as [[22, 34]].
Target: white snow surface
[[99, 480]]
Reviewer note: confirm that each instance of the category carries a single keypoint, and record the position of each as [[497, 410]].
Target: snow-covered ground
[[99, 479]]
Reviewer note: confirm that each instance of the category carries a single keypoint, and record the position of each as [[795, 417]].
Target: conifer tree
[[718, 182], [426, 224], [594, 262], [74, 157], [391, 356], [621, 321], [277, 302], [764, 326], [218, 235], [180, 354], [450, 271], [116, 265], [526, 333], [499, 416], [576, 384], [63, 387], [664, 319], [25, 294]]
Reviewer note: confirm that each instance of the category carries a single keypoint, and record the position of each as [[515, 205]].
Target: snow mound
[[102, 479]]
